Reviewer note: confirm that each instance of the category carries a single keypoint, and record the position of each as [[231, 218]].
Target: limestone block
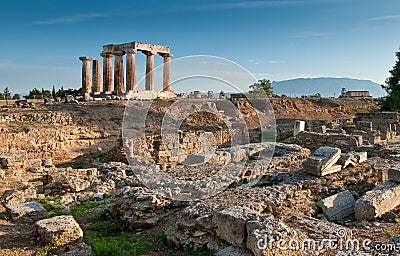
[[60, 230], [378, 201], [11, 197], [198, 159], [394, 174], [360, 156], [231, 224], [346, 160], [323, 158], [34, 163], [98, 196], [338, 206], [27, 212], [299, 126]]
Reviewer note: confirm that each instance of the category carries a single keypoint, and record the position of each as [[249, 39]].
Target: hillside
[[326, 86]]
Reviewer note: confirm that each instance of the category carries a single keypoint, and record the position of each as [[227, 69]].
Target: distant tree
[[392, 87], [37, 94], [53, 92], [262, 87], [7, 94], [74, 92], [16, 97]]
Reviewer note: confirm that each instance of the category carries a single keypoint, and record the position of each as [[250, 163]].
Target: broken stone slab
[[59, 230], [334, 168], [231, 224], [394, 174], [198, 159], [98, 196], [378, 201], [322, 161], [27, 212], [338, 206], [360, 156], [347, 159]]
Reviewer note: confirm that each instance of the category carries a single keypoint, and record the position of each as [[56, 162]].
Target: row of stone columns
[[106, 84]]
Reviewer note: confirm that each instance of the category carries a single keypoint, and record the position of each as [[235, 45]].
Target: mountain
[[326, 86]]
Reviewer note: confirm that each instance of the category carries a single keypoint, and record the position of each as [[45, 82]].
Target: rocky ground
[[69, 159]]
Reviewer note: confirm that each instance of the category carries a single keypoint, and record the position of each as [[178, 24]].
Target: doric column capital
[[106, 55], [133, 51], [85, 58], [149, 53], [166, 54], [118, 53]]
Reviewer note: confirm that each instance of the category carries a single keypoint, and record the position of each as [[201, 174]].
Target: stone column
[[107, 72], [85, 74], [118, 72], [130, 71], [96, 77], [166, 71], [149, 85]]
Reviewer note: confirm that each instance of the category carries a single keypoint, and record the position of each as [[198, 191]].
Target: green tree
[[61, 92], [53, 92], [392, 87], [7, 94], [16, 97], [38, 94], [262, 87]]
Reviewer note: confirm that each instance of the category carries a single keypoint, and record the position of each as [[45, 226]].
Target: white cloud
[[276, 61], [387, 17], [308, 34], [71, 19]]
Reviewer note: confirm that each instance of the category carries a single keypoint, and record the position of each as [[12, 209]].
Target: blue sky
[[42, 40]]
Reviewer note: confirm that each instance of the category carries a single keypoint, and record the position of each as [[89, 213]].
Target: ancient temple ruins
[[114, 82]]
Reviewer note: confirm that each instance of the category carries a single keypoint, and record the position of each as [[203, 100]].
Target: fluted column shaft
[[130, 71], [107, 72], [85, 74], [96, 77], [167, 71], [149, 85], [118, 72]]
